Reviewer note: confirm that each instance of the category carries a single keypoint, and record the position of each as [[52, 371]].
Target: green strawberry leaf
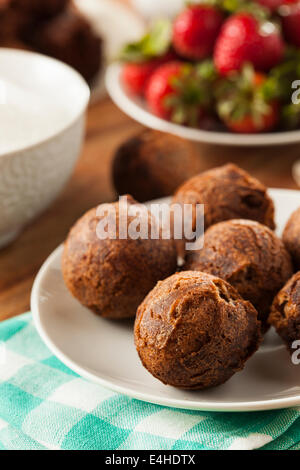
[[285, 73], [155, 43], [214, 3], [238, 96], [231, 6], [192, 93], [206, 70], [271, 89], [236, 6], [290, 116], [255, 9]]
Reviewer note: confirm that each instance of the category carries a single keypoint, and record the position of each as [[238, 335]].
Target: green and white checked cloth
[[44, 405]]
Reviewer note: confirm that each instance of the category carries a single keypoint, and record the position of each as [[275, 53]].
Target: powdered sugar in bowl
[[42, 118]]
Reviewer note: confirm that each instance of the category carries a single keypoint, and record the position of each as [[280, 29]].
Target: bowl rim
[[69, 122], [134, 108]]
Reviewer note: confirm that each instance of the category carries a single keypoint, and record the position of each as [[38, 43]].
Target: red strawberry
[[244, 39], [195, 31], [136, 75], [290, 13], [244, 105], [247, 124], [272, 47], [177, 92], [144, 56]]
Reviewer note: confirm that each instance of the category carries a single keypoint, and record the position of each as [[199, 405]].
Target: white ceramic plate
[[103, 351], [116, 24], [136, 109]]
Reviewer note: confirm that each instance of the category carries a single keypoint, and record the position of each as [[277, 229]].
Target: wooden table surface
[[91, 184]]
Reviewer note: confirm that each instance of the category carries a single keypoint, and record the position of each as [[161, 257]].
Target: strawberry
[[242, 39], [248, 125], [290, 13], [195, 31], [143, 57], [180, 92], [272, 47], [246, 104], [135, 76]]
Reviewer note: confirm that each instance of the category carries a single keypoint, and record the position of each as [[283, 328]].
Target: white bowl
[[35, 168], [136, 109]]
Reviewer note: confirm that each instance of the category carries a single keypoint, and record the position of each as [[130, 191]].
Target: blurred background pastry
[[69, 38], [53, 27], [153, 164], [39, 8]]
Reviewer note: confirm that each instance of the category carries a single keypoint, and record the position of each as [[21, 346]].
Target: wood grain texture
[[91, 184]]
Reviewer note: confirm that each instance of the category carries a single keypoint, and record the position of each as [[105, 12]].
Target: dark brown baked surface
[[285, 312], [55, 28], [40, 8], [291, 237], [153, 164], [249, 256], [112, 277], [13, 23], [194, 331], [69, 37], [227, 192]]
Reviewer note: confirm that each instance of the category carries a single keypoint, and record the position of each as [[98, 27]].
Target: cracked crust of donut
[[194, 331]]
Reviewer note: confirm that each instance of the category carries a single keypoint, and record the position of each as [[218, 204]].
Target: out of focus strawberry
[[245, 105], [135, 76], [180, 92], [290, 13], [249, 125], [195, 31], [143, 57], [245, 39]]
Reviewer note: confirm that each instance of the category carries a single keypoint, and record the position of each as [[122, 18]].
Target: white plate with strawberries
[[216, 75]]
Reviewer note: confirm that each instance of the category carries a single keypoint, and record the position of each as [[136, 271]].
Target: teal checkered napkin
[[44, 405]]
